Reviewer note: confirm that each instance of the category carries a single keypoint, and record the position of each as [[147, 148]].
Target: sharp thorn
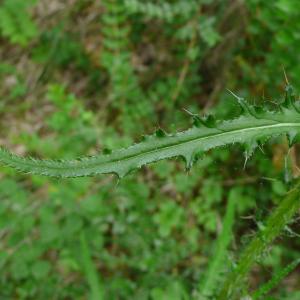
[[188, 112], [245, 162], [261, 149], [285, 76], [269, 179], [233, 94], [117, 182]]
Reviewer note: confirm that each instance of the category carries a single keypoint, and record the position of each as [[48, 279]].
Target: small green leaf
[[40, 269]]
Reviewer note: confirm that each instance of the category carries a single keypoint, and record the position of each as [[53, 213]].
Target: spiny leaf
[[252, 127], [275, 223]]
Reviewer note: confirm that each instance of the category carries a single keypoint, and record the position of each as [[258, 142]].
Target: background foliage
[[80, 76]]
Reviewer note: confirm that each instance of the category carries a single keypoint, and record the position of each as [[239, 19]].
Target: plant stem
[[276, 222], [267, 287], [92, 278], [210, 279]]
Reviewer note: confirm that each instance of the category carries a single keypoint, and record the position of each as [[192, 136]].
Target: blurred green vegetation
[[80, 76]]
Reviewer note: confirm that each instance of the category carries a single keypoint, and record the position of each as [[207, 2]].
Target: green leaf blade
[[187, 144]]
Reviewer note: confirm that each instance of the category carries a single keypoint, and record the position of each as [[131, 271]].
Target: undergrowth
[[252, 128], [194, 213]]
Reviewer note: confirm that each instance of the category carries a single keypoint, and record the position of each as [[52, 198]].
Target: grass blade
[[90, 271], [208, 285]]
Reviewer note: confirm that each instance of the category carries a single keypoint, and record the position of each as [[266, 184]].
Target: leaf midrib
[[214, 135]]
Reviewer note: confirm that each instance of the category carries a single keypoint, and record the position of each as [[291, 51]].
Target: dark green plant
[[125, 92], [275, 223], [16, 24], [165, 11]]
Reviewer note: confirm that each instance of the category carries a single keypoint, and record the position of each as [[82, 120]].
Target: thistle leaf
[[249, 129]]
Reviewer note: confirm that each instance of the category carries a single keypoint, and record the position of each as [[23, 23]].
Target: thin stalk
[[267, 287], [210, 279], [276, 222], [92, 278]]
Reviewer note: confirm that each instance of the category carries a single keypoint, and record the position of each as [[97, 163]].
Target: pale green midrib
[[87, 164]]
